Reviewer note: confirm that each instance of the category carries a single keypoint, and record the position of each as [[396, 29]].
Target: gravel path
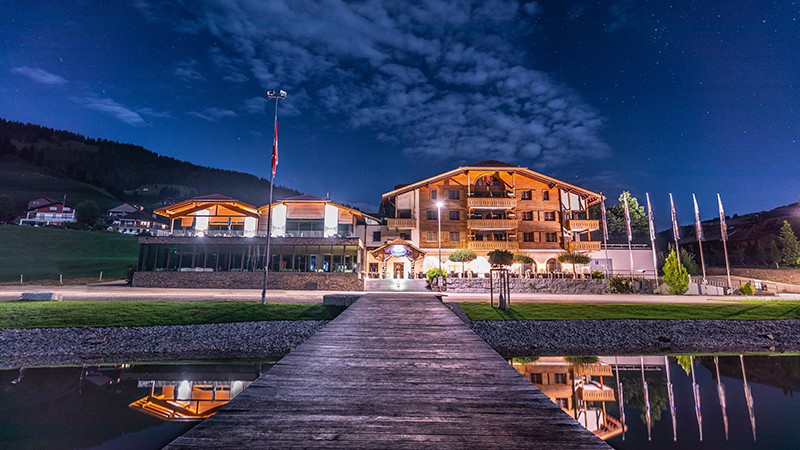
[[617, 337], [87, 345]]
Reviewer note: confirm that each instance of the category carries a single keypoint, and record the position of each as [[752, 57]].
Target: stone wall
[[531, 285], [250, 280]]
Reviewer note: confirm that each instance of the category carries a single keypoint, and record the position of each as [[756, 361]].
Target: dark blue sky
[[694, 96]]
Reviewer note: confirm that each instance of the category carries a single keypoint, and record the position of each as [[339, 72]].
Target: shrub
[[747, 289], [433, 274], [129, 274], [581, 359], [597, 275], [675, 276], [620, 285]]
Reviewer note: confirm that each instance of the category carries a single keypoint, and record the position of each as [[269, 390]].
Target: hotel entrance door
[[399, 269]]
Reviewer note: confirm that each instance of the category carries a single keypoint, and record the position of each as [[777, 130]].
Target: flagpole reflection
[[671, 400], [696, 394], [749, 397], [621, 405], [646, 400], [722, 400]]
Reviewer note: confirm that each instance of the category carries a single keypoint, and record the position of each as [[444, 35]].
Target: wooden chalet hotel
[[218, 241]]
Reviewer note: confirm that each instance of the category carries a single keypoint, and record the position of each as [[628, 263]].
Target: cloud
[[213, 114], [443, 79], [113, 108], [40, 76], [187, 70]]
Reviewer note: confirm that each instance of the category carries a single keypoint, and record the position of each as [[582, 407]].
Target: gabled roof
[[415, 251], [300, 198], [591, 197], [48, 205], [313, 199], [138, 215], [191, 205], [125, 207], [212, 197]]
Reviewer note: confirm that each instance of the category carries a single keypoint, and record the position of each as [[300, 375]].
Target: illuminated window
[[526, 195], [373, 267]]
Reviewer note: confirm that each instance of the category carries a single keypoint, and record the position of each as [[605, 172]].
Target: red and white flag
[[697, 225], [275, 149], [676, 232], [723, 227]]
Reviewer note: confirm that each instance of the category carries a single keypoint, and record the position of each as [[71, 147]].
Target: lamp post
[[279, 96], [439, 238]]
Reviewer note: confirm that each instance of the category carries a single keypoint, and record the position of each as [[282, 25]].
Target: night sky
[[658, 97]]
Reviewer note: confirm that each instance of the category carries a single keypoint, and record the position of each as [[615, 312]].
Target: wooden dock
[[393, 371]]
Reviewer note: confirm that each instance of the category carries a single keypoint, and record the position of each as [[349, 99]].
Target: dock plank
[[392, 371]]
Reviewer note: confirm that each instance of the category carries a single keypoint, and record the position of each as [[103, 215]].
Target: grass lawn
[[752, 310], [30, 314], [44, 253]]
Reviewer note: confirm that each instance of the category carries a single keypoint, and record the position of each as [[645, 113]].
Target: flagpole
[[605, 231], [652, 226], [280, 95], [675, 231], [724, 232], [630, 237], [699, 232]]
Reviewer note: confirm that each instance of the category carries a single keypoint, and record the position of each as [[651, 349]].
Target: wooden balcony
[[494, 245], [578, 225], [584, 246], [492, 203], [596, 395], [401, 223], [491, 224], [595, 369]]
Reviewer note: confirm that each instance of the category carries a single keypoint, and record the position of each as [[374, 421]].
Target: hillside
[[39, 161]]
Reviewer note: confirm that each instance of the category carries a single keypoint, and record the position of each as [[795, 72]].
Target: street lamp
[[439, 238], [279, 96]]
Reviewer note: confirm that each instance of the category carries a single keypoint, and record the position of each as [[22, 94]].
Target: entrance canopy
[[398, 248]]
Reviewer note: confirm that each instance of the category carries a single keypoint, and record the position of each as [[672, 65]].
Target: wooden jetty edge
[[395, 371]]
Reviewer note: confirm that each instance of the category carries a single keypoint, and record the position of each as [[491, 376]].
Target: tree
[[462, 255], [522, 259], [761, 255], [581, 359], [790, 248], [675, 276], [500, 258], [574, 259], [615, 216], [687, 259], [775, 254], [7, 213], [87, 212]]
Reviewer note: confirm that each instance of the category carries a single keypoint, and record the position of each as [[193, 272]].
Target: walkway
[[392, 371]]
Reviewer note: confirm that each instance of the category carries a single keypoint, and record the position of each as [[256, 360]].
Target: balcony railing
[[595, 369], [492, 224], [492, 203], [584, 246], [494, 245], [577, 224], [596, 395], [401, 223]]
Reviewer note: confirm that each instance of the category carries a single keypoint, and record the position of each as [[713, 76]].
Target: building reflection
[[578, 387]]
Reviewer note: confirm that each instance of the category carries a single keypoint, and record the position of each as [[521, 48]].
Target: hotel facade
[[315, 243]]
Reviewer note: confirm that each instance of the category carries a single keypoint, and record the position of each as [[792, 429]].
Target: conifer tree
[[761, 255], [775, 254], [790, 247], [675, 276]]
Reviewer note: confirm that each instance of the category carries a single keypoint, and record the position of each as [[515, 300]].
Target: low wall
[[530, 285], [250, 280]]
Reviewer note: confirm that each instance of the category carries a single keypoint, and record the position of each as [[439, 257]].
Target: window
[[536, 377], [455, 236], [434, 194], [527, 216], [455, 215], [373, 267], [376, 236], [403, 213], [545, 196], [431, 236], [562, 402], [405, 236], [344, 229], [453, 195], [550, 216], [560, 378], [54, 208], [431, 215], [526, 195], [550, 237], [499, 236], [487, 180], [527, 237]]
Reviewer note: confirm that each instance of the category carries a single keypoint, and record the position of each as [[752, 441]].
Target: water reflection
[[114, 406], [599, 391]]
